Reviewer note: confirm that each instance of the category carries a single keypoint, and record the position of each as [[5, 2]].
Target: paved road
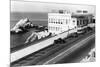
[[35, 47], [68, 51], [78, 55]]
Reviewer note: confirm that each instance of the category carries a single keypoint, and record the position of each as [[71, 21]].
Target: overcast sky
[[25, 6]]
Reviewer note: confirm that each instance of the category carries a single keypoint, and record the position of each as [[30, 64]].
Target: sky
[[29, 6]]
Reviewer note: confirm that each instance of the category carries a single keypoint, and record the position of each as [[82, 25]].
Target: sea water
[[35, 18]]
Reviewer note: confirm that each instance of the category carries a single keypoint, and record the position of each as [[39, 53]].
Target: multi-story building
[[84, 19], [60, 21]]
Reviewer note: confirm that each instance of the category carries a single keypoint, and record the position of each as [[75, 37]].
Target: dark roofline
[[82, 15]]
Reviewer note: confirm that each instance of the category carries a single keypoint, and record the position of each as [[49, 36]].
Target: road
[[78, 55], [36, 47], [39, 57], [67, 52]]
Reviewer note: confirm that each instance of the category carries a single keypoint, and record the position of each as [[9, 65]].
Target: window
[[66, 21], [84, 22], [51, 20], [59, 22], [78, 22], [58, 28], [56, 22], [73, 20]]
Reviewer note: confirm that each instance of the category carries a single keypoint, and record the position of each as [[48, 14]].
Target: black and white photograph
[[43, 33]]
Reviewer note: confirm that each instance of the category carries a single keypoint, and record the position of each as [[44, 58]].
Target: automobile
[[59, 41]]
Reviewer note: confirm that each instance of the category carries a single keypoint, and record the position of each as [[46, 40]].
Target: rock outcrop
[[21, 26]]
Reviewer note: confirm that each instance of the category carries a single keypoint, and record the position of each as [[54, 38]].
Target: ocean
[[35, 18]]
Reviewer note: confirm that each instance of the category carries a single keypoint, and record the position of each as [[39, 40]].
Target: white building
[[60, 22]]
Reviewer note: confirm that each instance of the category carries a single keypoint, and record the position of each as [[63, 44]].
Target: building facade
[[60, 22]]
